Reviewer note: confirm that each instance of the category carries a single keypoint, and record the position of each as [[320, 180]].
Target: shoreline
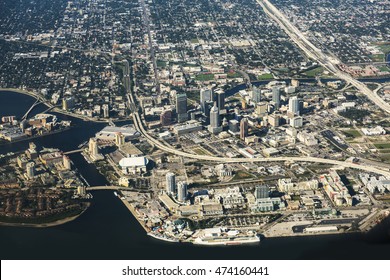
[[132, 211], [35, 136], [46, 225], [55, 109]]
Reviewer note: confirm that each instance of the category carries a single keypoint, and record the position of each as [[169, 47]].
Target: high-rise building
[[296, 122], [68, 103], [221, 101], [261, 109], [66, 162], [106, 111], [206, 94], [244, 128], [170, 182], [30, 169], [93, 147], [274, 120], [166, 117], [256, 94], [214, 126], [181, 107], [208, 106], [261, 191], [293, 105], [119, 139], [234, 126], [181, 191], [276, 96]]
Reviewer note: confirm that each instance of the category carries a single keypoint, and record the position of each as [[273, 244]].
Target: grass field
[[242, 175], [233, 75], [204, 77], [352, 133], [382, 145], [265, 76], [201, 151], [314, 72]]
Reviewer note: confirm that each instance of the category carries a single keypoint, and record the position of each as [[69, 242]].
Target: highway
[[327, 61]]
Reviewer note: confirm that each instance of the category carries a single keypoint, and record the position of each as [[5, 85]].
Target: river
[[107, 230]]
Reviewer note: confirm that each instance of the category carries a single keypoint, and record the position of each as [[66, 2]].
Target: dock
[[132, 210]]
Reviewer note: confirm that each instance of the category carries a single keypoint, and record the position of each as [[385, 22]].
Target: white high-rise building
[[106, 110], [66, 162], [181, 191], [293, 105], [171, 183], [30, 170], [214, 126], [93, 147]]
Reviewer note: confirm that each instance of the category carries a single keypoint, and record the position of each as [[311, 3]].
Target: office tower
[[181, 107], [171, 183], [293, 105], [66, 162], [68, 103], [119, 139], [234, 126], [208, 106], [256, 94], [261, 109], [221, 101], [205, 95], [214, 126], [274, 120], [244, 128], [181, 191], [166, 117], [262, 191], [276, 96], [106, 111], [93, 147], [296, 122], [30, 170]]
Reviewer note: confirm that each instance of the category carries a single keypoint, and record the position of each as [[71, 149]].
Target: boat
[[219, 236], [115, 193]]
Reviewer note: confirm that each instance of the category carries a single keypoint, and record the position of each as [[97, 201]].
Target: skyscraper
[[93, 147], [66, 162], [276, 96], [261, 191], [30, 169], [170, 182], [244, 128], [106, 111], [166, 117], [181, 107], [119, 139], [256, 94], [214, 126], [221, 101], [293, 105], [206, 94], [181, 191]]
